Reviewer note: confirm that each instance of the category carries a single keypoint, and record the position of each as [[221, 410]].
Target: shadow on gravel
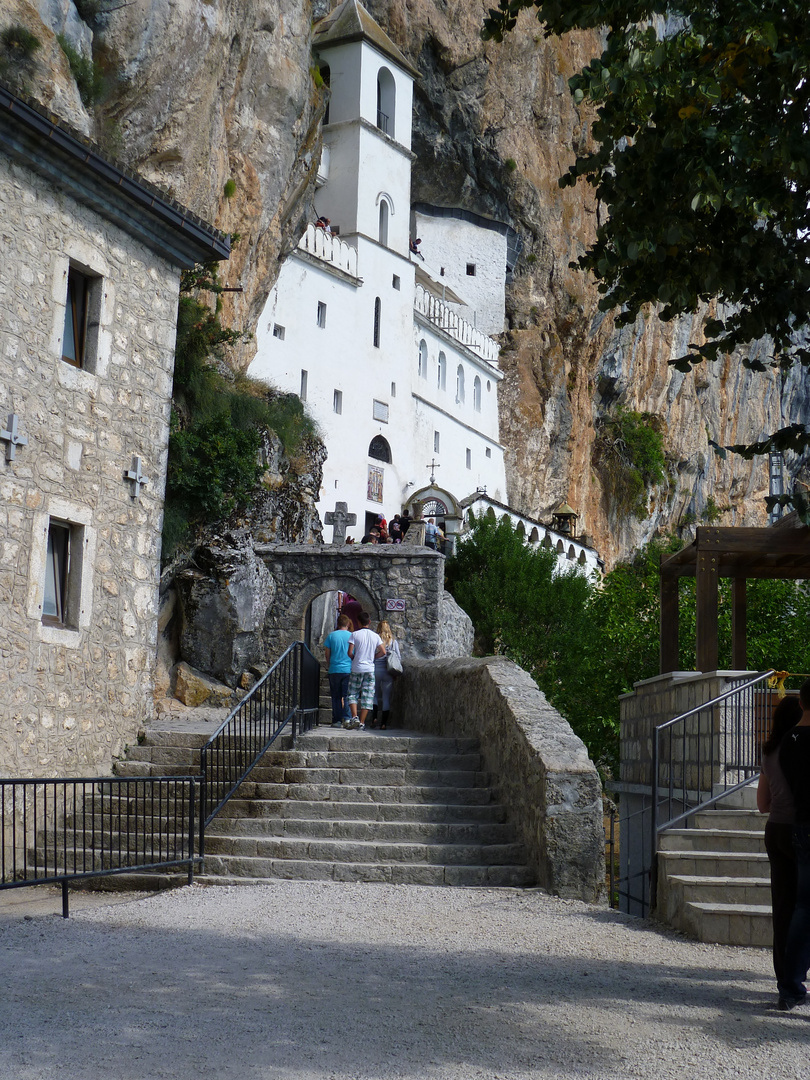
[[89, 999]]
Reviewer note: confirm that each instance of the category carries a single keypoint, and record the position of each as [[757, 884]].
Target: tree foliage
[[702, 163]]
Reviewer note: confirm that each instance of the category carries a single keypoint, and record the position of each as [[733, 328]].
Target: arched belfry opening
[[386, 101]]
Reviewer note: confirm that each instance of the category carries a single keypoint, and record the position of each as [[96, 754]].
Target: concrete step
[[282, 809], [729, 924], [743, 799], [681, 889], [440, 832], [337, 793], [706, 839], [747, 820], [271, 849], [395, 874], [715, 863]]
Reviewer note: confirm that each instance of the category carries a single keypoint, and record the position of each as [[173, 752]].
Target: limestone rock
[[456, 632], [223, 600], [192, 688]]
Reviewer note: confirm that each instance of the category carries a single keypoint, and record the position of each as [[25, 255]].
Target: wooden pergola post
[[706, 590], [668, 655], [739, 624]]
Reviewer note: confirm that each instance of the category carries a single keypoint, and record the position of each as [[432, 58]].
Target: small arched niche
[[386, 101]]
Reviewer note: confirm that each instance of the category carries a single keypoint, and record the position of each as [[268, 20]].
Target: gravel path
[[310, 980]]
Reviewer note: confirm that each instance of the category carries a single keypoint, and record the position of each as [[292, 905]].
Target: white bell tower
[[368, 132]]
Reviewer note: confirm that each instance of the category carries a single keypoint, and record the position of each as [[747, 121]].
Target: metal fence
[[698, 759], [59, 830], [287, 694]]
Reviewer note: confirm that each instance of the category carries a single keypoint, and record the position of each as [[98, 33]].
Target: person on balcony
[[413, 247], [324, 223]]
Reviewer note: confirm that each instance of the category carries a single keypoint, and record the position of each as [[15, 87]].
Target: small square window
[[321, 315], [82, 317], [470, 269], [488, 451], [436, 442], [337, 402], [380, 412], [469, 459], [304, 380], [278, 331], [395, 283]]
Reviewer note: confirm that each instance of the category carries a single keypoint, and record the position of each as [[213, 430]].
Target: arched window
[[379, 449], [477, 394], [534, 535], [441, 380], [460, 385], [383, 237], [386, 101], [423, 359], [377, 314]]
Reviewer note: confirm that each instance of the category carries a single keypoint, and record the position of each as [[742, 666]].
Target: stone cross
[[433, 466], [136, 476], [339, 519], [12, 438]]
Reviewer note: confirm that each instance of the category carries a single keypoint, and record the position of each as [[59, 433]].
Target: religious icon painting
[[375, 484]]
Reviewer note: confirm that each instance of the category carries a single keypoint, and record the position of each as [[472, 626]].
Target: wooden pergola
[[781, 551]]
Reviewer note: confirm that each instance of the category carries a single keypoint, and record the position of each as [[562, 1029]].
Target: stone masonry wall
[[370, 572], [71, 698], [542, 769]]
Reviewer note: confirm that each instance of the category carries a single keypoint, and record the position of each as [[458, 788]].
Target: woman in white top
[[384, 680]]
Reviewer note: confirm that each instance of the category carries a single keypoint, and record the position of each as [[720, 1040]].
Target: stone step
[[681, 889], [747, 820], [442, 832], [342, 740], [394, 874], [715, 863], [271, 849], [338, 793], [256, 814], [371, 759], [729, 924], [392, 777], [710, 840]]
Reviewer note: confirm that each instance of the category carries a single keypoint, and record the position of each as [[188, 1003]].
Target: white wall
[[450, 244]]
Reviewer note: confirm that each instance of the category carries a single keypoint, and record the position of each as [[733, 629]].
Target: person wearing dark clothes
[[775, 799], [395, 529], [794, 760], [352, 608]]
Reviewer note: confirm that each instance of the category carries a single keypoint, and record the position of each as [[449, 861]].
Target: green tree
[[703, 164], [523, 608]]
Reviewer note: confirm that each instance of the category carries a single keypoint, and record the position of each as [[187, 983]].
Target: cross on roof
[[433, 466], [136, 477], [11, 437], [339, 519]]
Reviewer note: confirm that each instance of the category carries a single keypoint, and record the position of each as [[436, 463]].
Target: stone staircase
[[713, 878], [350, 806]]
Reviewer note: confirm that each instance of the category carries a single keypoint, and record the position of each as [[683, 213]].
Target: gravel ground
[[319, 980]]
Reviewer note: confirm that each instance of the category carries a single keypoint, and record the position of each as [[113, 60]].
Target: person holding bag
[[385, 668]]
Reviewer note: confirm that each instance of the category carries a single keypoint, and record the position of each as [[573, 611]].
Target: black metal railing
[[286, 694], [59, 830], [698, 758], [382, 121]]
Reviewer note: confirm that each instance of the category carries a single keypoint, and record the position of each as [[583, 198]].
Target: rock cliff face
[[199, 93]]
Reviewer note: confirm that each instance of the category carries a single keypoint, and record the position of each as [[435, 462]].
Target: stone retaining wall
[[541, 768]]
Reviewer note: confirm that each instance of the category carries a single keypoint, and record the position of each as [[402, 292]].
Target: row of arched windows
[[441, 376]]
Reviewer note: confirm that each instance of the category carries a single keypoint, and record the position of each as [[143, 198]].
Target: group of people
[[362, 665], [784, 794], [394, 533]]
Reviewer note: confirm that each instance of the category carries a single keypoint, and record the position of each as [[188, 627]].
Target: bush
[[88, 77], [230, 189], [628, 455], [19, 44]]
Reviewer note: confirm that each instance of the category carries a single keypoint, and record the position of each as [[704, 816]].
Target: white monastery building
[[389, 348]]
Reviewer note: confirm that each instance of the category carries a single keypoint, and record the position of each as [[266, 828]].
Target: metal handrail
[[288, 693], [55, 830]]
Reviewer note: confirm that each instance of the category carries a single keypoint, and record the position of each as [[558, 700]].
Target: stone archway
[[302, 604]]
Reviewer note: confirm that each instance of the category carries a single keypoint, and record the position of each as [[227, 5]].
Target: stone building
[[89, 287]]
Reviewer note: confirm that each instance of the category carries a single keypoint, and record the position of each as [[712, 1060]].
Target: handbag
[[394, 662]]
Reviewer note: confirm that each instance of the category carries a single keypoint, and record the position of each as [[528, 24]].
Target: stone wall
[[542, 769], [456, 630], [71, 697], [369, 572]]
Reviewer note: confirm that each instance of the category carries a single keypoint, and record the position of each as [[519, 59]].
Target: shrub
[[628, 455], [87, 76], [18, 43], [230, 189]]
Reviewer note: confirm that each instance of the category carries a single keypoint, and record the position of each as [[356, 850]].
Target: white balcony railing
[[330, 249], [437, 312]]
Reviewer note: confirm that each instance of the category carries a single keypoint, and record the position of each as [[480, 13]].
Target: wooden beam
[[668, 654], [706, 615], [739, 628]]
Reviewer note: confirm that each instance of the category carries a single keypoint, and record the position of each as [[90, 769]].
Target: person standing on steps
[[774, 798], [364, 648], [383, 676], [794, 760], [339, 664]]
